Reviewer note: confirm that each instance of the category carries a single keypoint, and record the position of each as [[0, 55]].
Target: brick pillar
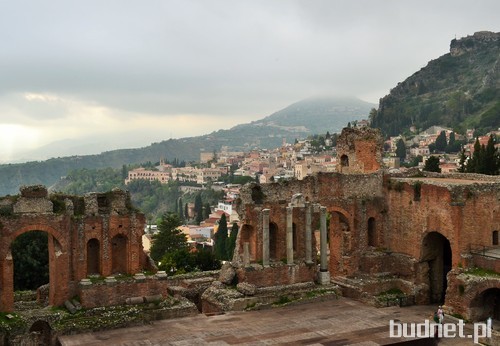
[[289, 235], [265, 237], [7, 284], [308, 234]]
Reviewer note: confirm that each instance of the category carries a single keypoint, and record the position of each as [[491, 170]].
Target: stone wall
[[106, 220], [359, 150], [277, 275], [117, 293]]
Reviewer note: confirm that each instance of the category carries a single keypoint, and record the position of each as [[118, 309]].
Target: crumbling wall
[[70, 222], [359, 150]]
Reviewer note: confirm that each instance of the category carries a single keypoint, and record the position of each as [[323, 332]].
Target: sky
[[82, 77]]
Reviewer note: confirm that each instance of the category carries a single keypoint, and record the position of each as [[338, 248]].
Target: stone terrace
[[336, 322]]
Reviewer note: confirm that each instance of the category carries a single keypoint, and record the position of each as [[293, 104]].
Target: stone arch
[[249, 236], [40, 333], [486, 304], [119, 254], [494, 238], [93, 257], [372, 232], [436, 252], [58, 266], [340, 230], [339, 240], [273, 241]]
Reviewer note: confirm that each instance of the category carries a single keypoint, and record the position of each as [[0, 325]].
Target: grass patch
[[482, 272], [392, 291], [282, 300]]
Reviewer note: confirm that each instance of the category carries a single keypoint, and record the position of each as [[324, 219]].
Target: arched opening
[[436, 251], [494, 239], [31, 260], [372, 232], [344, 161], [40, 333], [119, 254], [273, 241], [486, 304], [93, 257], [248, 236]]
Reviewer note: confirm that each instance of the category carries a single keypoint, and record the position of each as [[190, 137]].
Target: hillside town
[[296, 161]]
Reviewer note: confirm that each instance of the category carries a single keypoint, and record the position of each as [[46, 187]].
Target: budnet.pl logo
[[429, 329]]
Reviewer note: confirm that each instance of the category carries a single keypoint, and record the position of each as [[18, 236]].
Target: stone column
[[246, 254], [289, 235], [308, 234], [323, 275], [265, 237]]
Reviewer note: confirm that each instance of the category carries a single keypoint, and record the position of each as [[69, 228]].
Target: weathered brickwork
[[359, 150], [413, 230], [99, 233], [106, 294]]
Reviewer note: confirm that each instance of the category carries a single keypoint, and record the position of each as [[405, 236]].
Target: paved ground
[[336, 322]]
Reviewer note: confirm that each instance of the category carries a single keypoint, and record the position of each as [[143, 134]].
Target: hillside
[[460, 89], [298, 120]]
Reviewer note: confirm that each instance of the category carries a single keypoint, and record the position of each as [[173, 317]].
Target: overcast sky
[[120, 74]]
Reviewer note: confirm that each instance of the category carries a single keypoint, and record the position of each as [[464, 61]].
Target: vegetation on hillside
[[460, 91]]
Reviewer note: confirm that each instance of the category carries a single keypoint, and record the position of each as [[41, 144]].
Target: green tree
[[178, 261], [441, 142], [206, 211], [231, 243], [198, 209], [180, 209], [31, 260], [186, 212], [169, 238], [401, 149], [432, 164], [490, 160], [220, 248], [206, 260], [475, 162], [463, 160]]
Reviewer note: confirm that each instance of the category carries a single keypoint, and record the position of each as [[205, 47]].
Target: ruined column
[[289, 235], [323, 275], [246, 254], [265, 237], [308, 234]]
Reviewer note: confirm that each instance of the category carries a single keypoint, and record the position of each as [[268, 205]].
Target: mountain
[[303, 118], [460, 89]]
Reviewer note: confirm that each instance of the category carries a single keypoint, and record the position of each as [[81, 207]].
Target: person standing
[[440, 314]]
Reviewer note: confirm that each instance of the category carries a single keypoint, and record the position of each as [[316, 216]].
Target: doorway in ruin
[[30, 254], [93, 257], [273, 241], [436, 252], [32, 263], [372, 232], [119, 254], [486, 304], [40, 333], [247, 235]]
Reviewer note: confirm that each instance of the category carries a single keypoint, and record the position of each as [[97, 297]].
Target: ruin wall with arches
[[409, 231], [96, 234]]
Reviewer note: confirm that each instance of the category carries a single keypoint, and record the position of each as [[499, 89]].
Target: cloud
[[74, 65]]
